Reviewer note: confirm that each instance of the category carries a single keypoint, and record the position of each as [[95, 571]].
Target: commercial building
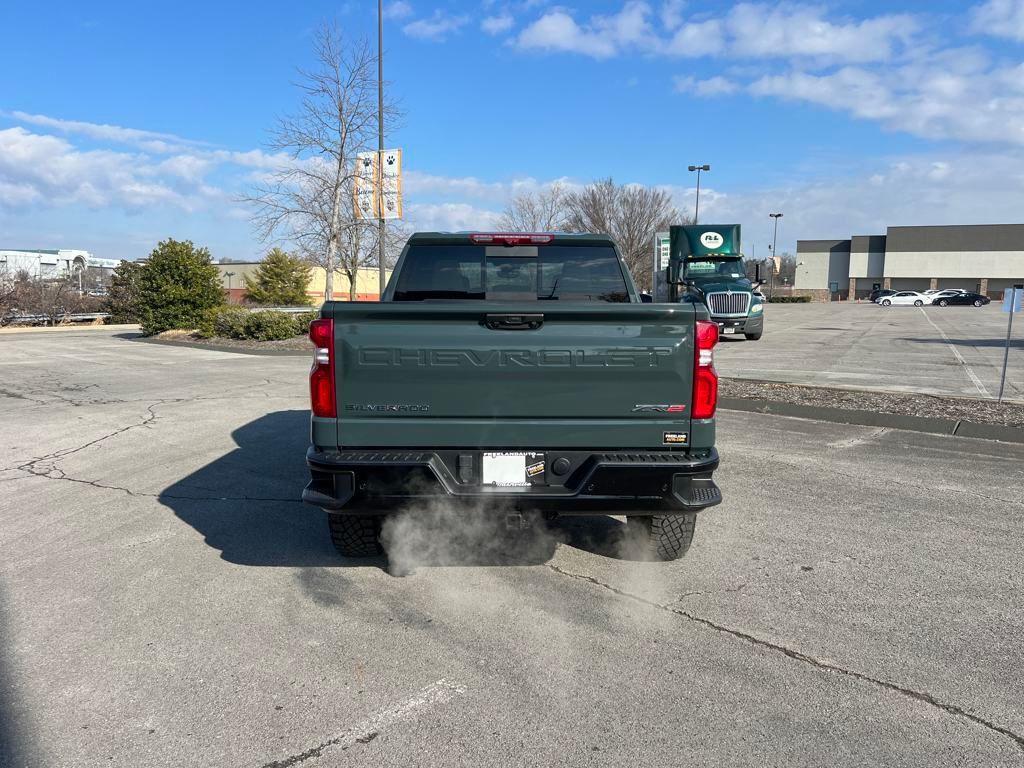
[[987, 258], [233, 276], [50, 264]]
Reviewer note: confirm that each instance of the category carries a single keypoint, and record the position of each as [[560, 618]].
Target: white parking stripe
[[367, 730], [956, 353]]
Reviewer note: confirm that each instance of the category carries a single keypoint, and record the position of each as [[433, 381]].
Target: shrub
[[302, 321], [178, 285], [281, 279], [789, 300], [226, 321], [269, 325], [123, 295]]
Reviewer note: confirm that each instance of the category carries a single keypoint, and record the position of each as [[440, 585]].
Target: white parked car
[[905, 299]]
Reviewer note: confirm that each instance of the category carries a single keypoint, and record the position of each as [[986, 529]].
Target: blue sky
[[122, 124]]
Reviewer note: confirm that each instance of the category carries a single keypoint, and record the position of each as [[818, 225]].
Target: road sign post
[[1012, 300]]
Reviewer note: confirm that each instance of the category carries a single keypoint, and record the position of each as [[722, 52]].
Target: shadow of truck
[[246, 504]]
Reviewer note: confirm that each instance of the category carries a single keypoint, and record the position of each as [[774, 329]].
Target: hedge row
[[789, 300], [234, 322]]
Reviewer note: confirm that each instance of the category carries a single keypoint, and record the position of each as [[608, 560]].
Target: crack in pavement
[[47, 467], [927, 698]]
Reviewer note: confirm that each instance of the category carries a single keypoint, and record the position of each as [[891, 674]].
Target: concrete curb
[[874, 419], [223, 347], [66, 328]]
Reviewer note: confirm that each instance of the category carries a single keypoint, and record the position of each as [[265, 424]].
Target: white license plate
[[505, 469], [728, 330]]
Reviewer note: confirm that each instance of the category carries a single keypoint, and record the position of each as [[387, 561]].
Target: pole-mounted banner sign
[[378, 185], [366, 197], [390, 164]]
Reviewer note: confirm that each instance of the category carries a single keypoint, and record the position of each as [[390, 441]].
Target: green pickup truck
[[521, 371]]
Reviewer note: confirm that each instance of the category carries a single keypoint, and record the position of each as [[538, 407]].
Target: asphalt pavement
[[165, 600], [932, 350]]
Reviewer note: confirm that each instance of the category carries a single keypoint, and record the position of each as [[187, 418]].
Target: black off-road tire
[[753, 336], [661, 537], [356, 535]]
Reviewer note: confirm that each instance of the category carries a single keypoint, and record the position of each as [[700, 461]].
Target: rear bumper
[[633, 482]]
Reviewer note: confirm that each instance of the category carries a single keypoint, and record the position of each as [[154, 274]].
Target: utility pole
[[698, 169], [775, 241], [380, 144]]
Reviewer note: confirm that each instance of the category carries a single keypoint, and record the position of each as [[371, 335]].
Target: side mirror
[[646, 298], [757, 274], [757, 283]]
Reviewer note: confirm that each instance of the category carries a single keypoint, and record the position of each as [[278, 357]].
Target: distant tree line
[[630, 213]]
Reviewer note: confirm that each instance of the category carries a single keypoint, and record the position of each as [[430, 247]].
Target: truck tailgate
[[487, 375]]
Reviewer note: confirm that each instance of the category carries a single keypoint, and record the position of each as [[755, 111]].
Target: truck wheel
[[753, 336], [661, 537], [356, 535]]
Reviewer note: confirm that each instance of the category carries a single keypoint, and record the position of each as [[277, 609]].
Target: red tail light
[[510, 238], [705, 378], [321, 375]]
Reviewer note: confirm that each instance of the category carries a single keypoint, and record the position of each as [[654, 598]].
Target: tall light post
[[229, 275], [380, 141], [775, 240], [698, 169]]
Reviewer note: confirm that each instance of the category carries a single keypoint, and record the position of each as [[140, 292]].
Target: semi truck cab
[[703, 264]]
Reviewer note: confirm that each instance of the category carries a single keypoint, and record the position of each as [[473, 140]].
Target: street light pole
[[698, 169], [775, 241], [380, 144]]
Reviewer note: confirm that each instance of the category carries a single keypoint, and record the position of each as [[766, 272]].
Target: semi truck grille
[[728, 303]]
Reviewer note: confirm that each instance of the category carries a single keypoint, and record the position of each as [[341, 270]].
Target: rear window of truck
[[518, 273]]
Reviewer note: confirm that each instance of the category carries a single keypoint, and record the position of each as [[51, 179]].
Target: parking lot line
[[436, 693], [956, 353]]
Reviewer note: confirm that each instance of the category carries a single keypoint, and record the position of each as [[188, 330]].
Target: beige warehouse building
[[987, 258], [233, 274]]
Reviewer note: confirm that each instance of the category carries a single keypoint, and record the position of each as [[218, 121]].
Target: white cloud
[[399, 9], [600, 38], [451, 217], [705, 38], [438, 27], [50, 171], [151, 141], [496, 25], [747, 30], [761, 31], [672, 13], [1001, 18], [937, 97], [968, 188], [712, 86]]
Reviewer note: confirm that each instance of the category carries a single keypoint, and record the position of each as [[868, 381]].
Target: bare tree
[[308, 200], [630, 213], [8, 293], [53, 298], [542, 211], [357, 239]]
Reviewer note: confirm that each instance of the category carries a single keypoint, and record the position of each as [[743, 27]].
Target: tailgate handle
[[511, 322]]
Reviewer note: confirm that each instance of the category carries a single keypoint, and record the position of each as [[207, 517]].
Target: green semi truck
[[519, 372], [703, 264]]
